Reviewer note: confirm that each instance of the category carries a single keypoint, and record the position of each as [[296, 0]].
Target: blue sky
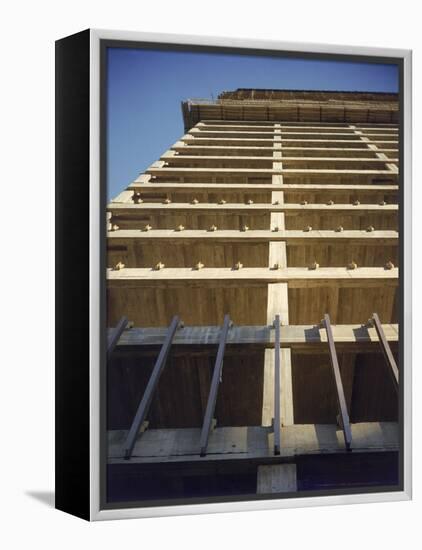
[[145, 88]]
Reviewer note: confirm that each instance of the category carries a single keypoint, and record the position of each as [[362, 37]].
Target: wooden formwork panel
[[210, 196], [374, 396], [191, 220], [345, 196], [266, 152], [181, 397], [154, 306], [344, 305], [359, 220], [188, 254], [226, 253], [368, 388], [342, 254]]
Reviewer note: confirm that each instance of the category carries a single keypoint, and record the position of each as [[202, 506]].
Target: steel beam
[[115, 336], [385, 346], [344, 415], [277, 419], [145, 403], [216, 379]]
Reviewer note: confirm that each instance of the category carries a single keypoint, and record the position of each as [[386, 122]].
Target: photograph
[[252, 273], [211, 328]]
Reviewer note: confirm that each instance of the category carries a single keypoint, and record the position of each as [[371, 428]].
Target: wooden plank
[[145, 207], [289, 123], [276, 478], [259, 187], [198, 140], [185, 147], [230, 133], [266, 160], [290, 236], [222, 125], [248, 442], [297, 277], [253, 172]]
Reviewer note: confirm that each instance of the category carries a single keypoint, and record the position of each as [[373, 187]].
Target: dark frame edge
[[72, 361]]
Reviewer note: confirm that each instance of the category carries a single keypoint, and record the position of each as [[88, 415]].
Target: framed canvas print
[[233, 274]]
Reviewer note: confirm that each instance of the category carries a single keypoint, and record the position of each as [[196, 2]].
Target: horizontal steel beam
[[291, 336]]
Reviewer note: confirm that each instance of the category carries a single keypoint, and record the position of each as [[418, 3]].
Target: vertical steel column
[[385, 346], [216, 379], [345, 422], [145, 403], [277, 419]]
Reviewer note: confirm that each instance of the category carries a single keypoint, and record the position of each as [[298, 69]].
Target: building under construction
[[253, 302]]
